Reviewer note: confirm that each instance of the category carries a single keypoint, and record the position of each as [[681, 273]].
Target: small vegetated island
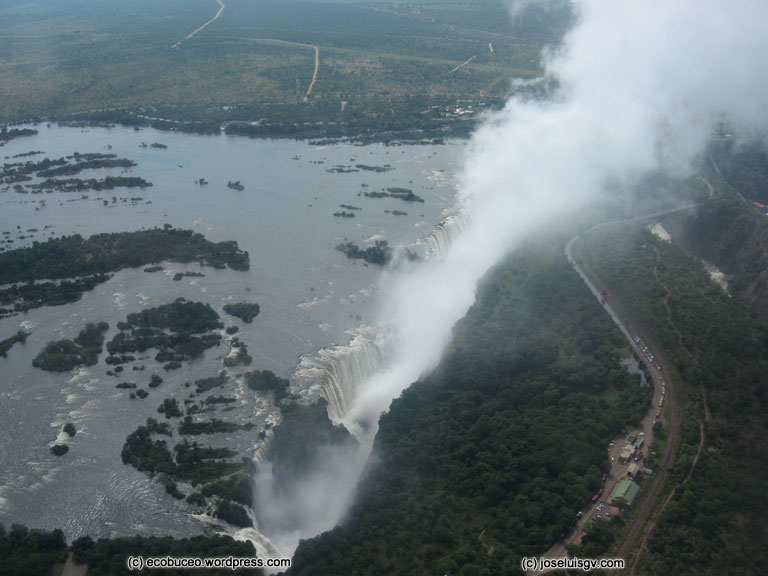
[[8, 343], [243, 310], [239, 354], [341, 169], [179, 331], [59, 449], [344, 213], [63, 355], [380, 253], [396, 192], [179, 275], [369, 168], [59, 271], [55, 174], [7, 135]]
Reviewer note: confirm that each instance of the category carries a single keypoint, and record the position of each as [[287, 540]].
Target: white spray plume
[[640, 83]]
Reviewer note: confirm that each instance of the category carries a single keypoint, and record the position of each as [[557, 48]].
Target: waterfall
[[314, 502], [449, 228], [334, 373], [264, 449]]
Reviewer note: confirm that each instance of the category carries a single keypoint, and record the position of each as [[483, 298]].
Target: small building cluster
[[632, 447], [463, 108], [625, 493]]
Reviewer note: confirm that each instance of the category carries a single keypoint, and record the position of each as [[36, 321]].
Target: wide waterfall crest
[[334, 373], [449, 228]]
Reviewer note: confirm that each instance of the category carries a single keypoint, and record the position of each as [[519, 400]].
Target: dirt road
[[463, 64], [314, 75], [211, 21]]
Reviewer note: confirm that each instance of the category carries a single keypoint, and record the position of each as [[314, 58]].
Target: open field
[[85, 56]]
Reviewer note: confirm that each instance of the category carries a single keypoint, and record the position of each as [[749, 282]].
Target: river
[[312, 299]]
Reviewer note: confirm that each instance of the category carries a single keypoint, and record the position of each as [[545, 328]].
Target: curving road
[[617, 470]]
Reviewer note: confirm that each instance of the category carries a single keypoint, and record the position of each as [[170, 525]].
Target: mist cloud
[[639, 87]]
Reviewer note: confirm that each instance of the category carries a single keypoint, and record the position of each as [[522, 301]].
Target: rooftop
[[625, 491]]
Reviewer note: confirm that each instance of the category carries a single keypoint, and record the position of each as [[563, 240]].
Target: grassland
[[255, 63]]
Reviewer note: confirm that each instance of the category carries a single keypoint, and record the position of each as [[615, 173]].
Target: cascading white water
[[262, 452], [317, 502], [446, 232], [334, 373]]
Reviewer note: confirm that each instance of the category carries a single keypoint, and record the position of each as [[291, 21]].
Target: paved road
[[617, 469]]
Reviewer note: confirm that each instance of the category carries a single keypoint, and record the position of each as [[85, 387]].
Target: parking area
[[628, 453]]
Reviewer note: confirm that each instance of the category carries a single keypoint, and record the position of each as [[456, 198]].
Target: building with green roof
[[625, 492]]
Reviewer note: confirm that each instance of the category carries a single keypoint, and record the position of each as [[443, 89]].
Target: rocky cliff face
[[733, 234]]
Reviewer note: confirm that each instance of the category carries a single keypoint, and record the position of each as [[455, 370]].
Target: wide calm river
[[312, 298]]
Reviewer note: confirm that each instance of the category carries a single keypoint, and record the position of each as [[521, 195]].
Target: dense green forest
[[303, 430], [26, 552], [714, 523], [108, 557], [489, 458], [386, 70], [31, 552]]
